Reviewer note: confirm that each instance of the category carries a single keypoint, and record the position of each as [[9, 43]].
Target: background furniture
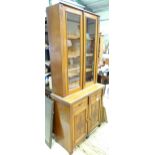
[[101, 48], [103, 73]]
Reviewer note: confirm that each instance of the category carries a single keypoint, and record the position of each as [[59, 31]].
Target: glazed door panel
[[90, 48], [74, 49], [94, 111], [80, 123]]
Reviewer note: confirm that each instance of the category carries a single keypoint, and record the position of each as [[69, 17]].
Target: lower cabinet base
[[74, 120], [70, 151]]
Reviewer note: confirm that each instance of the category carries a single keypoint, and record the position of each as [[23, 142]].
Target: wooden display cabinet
[[73, 40]]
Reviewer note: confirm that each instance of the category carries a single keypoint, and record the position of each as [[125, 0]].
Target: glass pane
[[73, 45], [90, 48]]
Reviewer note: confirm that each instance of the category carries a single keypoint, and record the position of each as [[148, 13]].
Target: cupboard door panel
[[80, 123], [74, 49], [94, 111], [90, 48]]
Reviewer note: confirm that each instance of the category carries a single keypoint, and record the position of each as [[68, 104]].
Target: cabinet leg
[[99, 125], [87, 136], [71, 152]]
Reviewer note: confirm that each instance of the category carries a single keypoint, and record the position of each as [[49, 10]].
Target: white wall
[[54, 1], [104, 27], [104, 23]]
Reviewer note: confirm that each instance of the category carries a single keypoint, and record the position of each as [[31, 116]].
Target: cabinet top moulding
[[73, 6]]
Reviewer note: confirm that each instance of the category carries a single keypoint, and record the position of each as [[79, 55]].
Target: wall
[[104, 25], [104, 21]]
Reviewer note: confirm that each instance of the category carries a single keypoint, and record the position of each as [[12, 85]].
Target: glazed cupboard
[[73, 40]]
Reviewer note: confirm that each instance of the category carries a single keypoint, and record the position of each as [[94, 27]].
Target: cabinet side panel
[[62, 127], [54, 35]]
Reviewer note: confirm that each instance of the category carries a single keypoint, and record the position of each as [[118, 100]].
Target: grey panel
[[49, 110]]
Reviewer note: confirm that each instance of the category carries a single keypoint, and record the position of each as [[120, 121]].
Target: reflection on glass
[[90, 48], [73, 44]]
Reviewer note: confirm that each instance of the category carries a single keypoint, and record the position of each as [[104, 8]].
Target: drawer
[[95, 96], [82, 103]]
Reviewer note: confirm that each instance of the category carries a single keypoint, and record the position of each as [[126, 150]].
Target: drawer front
[[81, 104]]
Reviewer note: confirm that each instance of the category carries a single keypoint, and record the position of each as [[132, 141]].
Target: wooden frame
[[86, 84], [76, 113], [97, 46], [76, 12]]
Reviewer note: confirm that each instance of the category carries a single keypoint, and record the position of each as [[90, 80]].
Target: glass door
[[90, 41], [74, 49]]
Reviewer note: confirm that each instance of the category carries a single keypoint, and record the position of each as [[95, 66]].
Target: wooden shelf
[[73, 54], [73, 36], [74, 79], [90, 39], [89, 54], [70, 75], [88, 69], [72, 86], [73, 69]]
